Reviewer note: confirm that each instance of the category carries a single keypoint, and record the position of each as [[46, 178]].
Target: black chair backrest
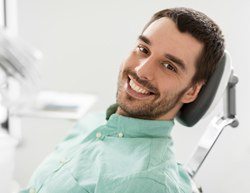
[[191, 113]]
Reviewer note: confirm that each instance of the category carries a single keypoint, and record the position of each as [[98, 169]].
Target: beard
[[158, 106]]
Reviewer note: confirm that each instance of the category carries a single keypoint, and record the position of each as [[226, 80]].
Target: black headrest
[[191, 113]]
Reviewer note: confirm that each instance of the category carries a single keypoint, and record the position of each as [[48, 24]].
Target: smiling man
[[131, 152], [156, 78]]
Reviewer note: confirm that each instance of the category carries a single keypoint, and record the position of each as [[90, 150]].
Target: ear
[[192, 93]]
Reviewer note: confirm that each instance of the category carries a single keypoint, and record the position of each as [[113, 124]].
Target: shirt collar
[[133, 127]]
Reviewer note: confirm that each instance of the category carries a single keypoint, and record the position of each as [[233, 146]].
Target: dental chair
[[220, 86]]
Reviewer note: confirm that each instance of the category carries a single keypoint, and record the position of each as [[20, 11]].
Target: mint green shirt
[[121, 155]]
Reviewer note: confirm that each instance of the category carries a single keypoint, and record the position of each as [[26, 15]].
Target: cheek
[[169, 85], [131, 61]]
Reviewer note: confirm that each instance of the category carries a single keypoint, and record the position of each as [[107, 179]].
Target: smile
[[137, 88], [134, 89]]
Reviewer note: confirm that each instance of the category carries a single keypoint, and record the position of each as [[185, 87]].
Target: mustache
[[144, 83]]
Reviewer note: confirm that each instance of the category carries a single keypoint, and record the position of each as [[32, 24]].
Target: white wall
[[84, 42]]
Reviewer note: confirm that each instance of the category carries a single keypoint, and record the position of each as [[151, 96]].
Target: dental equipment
[[222, 84]]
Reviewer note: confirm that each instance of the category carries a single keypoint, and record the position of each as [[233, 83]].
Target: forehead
[[165, 38]]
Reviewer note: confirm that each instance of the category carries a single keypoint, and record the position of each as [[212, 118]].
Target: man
[[131, 152]]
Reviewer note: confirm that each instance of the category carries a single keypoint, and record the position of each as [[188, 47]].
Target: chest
[[92, 164]]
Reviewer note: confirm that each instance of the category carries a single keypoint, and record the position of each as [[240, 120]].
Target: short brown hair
[[204, 30]]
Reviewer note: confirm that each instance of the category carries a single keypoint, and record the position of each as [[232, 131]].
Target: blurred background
[[83, 45]]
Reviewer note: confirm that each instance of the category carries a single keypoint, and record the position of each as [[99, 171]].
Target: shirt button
[[98, 135], [32, 190], [120, 135]]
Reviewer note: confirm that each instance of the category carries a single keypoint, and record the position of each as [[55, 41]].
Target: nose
[[146, 68]]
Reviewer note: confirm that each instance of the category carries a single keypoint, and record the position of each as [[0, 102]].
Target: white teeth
[[137, 88]]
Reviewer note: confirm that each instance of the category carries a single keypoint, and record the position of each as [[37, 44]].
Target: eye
[[143, 49], [169, 66]]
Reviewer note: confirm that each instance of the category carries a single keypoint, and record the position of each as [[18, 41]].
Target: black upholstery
[[191, 113]]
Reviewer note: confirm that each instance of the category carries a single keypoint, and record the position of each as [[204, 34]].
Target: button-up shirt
[[120, 155]]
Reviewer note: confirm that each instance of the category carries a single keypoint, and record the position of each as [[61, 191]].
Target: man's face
[[155, 79]]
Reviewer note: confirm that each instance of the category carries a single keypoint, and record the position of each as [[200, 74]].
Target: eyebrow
[[171, 57], [176, 60], [144, 39]]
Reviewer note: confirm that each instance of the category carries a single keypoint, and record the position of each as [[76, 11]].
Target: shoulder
[[82, 128], [87, 124], [167, 178], [91, 120]]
